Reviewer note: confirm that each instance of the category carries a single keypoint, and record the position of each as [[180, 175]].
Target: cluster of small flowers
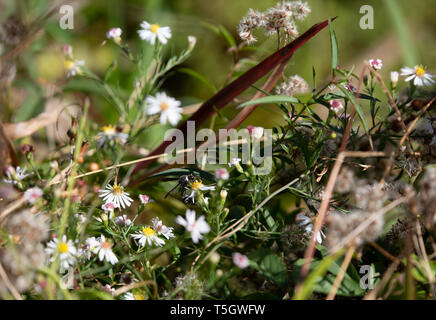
[[418, 74], [294, 85], [280, 17]]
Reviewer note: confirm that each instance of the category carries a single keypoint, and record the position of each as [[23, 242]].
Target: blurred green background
[[43, 62]]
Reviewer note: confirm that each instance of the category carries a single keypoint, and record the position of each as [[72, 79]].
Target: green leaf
[[334, 45], [229, 38], [109, 70], [359, 110], [270, 99], [317, 273], [199, 77], [270, 265]]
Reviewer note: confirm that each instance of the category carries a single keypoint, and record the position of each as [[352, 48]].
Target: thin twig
[[9, 284], [11, 208], [341, 273], [136, 285]]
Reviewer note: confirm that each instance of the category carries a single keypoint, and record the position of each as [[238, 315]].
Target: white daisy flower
[[91, 245], [128, 296], [15, 175], [221, 174], [73, 67], [104, 250], [114, 34], [33, 194], [148, 235], [377, 64], [123, 220], [196, 187], [418, 75], [65, 250], [195, 227], [117, 195], [307, 224], [336, 106], [169, 108], [240, 260], [110, 133], [161, 229], [150, 32], [131, 296]]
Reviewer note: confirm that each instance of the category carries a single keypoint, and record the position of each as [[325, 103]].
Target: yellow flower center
[[139, 297], [420, 72], [106, 245], [154, 28], [163, 106], [69, 64], [148, 232], [117, 190], [196, 185], [63, 247], [109, 130]]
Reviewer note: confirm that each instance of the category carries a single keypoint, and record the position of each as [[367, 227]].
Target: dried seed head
[[341, 225], [346, 181], [31, 228], [252, 20], [276, 18], [8, 72], [426, 198], [368, 197], [294, 85], [300, 10], [12, 31]]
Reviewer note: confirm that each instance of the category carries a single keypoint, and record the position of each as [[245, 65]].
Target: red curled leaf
[[231, 91]]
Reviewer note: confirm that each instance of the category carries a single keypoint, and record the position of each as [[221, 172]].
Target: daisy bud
[[394, 79], [240, 260], [144, 198], [33, 194], [255, 132], [377, 64], [223, 194], [67, 50], [192, 41], [114, 34], [9, 170], [215, 258], [27, 148], [219, 273], [235, 162], [336, 106], [222, 174]]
